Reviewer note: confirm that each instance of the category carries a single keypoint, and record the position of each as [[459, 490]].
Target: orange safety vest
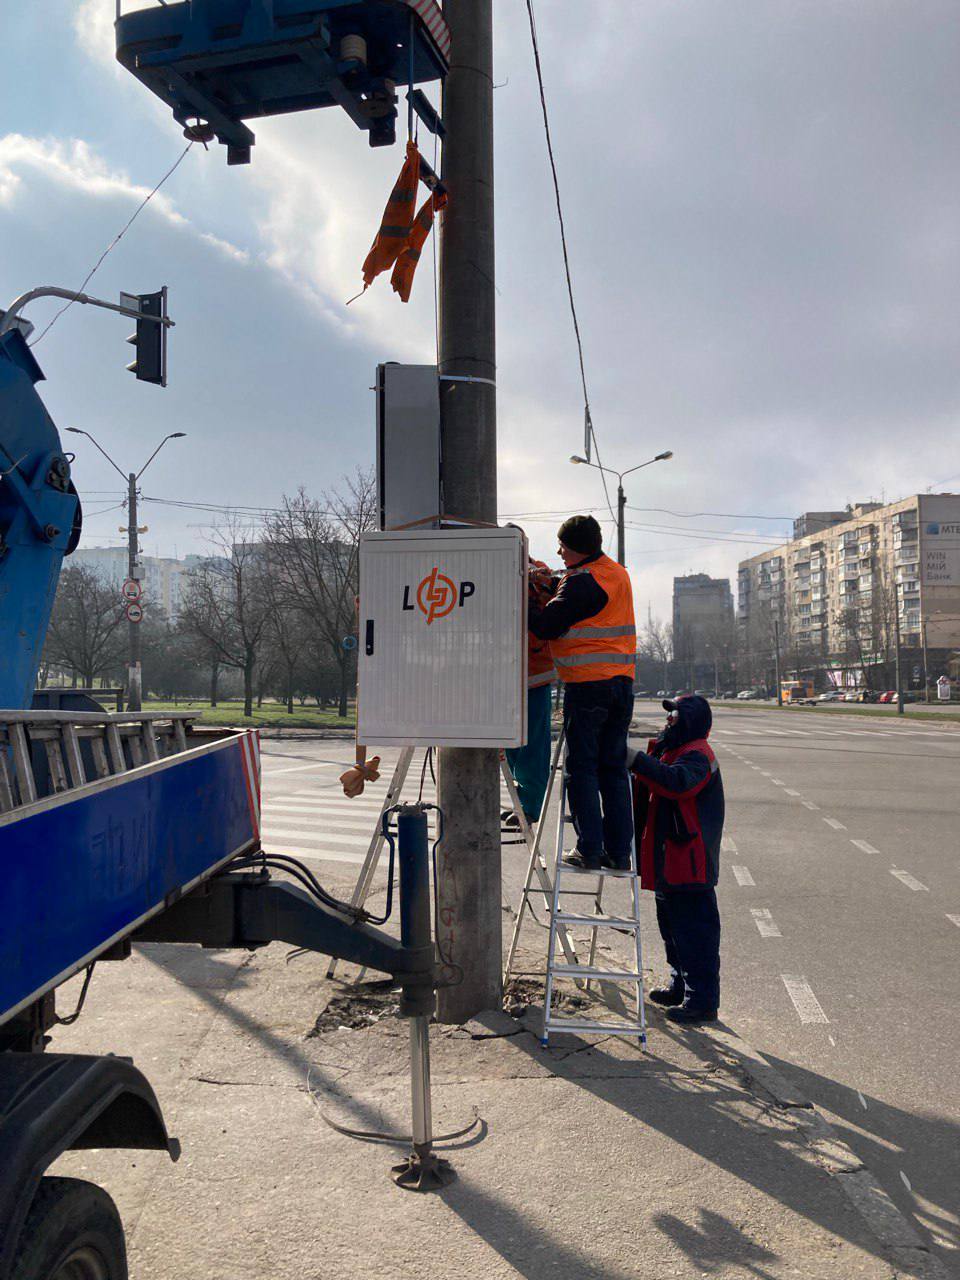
[[397, 221], [540, 667], [604, 646], [406, 264]]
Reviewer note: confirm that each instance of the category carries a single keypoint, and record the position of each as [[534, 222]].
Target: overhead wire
[[113, 244], [566, 255]]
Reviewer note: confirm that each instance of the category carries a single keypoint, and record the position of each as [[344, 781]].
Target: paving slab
[[589, 1161]]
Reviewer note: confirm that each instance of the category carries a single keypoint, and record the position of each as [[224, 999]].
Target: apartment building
[[838, 590], [162, 580], [702, 615]]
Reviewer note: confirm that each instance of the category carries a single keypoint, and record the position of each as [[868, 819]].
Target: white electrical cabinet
[[443, 638]]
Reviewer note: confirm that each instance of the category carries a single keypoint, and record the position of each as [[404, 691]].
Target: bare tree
[[86, 632], [314, 551], [226, 605], [656, 641]]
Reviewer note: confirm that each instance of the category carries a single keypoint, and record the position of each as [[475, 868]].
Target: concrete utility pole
[[134, 684], [896, 634], [776, 641], [469, 779]]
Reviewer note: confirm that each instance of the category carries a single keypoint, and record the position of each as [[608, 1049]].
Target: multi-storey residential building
[[702, 616], [162, 579], [838, 591]]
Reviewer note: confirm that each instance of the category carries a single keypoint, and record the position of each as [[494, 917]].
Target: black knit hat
[[581, 534]]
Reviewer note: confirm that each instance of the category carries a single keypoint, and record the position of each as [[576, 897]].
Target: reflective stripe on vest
[[604, 646]]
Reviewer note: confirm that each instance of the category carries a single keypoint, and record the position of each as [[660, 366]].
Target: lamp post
[[621, 497], [134, 690]]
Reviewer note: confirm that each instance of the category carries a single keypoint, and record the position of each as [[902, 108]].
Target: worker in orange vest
[[530, 764], [590, 626]]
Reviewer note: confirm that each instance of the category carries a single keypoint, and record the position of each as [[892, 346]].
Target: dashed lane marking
[[808, 804], [905, 1180], [764, 774], [863, 1101], [954, 920], [807, 1005], [788, 792], [744, 878], [864, 846], [301, 768], [764, 921], [728, 844], [777, 782], [837, 826], [910, 881]]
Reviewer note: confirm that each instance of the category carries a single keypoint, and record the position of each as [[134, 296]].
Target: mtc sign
[[443, 622]]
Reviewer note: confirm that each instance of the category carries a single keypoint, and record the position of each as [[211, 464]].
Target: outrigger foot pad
[[423, 1172]]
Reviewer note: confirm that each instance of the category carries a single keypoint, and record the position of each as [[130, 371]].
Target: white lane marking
[[744, 878], [728, 844], [311, 854], [832, 1041], [277, 830], [765, 923], [864, 846], [788, 792], [906, 878], [777, 783], [807, 1005], [746, 761], [954, 920], [905, 1180], [300, 768], [764, 774], [837, 826], [808, 804], [863, 1101]]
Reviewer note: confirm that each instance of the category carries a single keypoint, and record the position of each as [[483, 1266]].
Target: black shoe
[[670, 996], [580, 862], [690, 1014], [625, 863], [510, 822]]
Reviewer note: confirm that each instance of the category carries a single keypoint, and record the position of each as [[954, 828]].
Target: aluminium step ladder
[[567, 882]]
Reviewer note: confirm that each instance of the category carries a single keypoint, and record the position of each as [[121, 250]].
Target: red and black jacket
[[679, 809]]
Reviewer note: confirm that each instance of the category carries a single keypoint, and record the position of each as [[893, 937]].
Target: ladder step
[[618, 1028], [595, 871], [567, 893], [585, 971], [599, 921]]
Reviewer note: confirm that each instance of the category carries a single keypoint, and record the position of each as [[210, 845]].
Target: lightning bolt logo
[[436, 595]]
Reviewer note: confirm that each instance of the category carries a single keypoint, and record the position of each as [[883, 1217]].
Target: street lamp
[[134, 691], [621, 497]]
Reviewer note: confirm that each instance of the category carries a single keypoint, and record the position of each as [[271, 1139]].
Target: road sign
[[131, 589], [134, 612], [943, 689]]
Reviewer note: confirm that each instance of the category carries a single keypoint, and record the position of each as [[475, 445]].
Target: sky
[[763, 212]]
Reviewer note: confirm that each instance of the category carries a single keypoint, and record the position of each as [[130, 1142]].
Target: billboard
[[940, 541]]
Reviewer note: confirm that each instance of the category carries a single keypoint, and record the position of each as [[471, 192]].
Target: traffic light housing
[[150, 339]]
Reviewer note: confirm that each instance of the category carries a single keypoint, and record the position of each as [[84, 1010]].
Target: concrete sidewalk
[[590, 1161]]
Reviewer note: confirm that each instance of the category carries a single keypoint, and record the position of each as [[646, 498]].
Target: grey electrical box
[[408, 445]]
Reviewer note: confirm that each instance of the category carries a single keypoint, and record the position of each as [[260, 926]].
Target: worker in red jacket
[[679, 812]]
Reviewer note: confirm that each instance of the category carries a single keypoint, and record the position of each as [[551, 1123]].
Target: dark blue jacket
[[679, 803]]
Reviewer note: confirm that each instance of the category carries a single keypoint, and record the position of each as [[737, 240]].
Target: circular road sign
[[130, 589], [134, 612]]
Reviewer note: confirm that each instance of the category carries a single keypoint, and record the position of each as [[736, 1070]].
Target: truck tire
[[72, 1232]]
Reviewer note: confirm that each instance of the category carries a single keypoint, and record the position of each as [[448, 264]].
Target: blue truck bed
[[81, 869]]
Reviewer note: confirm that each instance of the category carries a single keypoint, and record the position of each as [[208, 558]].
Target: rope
[[113, 243], [566, 255]]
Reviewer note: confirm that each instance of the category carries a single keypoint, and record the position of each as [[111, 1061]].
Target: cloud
[[74, 164], [93, 23]]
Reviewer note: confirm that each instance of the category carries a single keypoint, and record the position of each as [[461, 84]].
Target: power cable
[[113, 244], [563, 243]]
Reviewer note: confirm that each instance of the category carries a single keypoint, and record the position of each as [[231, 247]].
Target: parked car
[[661, 693], [889, 695], [729, 693], [831, 695]]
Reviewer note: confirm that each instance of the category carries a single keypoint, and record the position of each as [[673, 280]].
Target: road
[[840, 899]]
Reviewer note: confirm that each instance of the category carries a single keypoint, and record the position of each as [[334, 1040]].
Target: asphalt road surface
[[840, 899]]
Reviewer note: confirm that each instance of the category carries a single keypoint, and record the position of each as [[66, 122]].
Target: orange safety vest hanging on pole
[[397, 220], [406, 264]]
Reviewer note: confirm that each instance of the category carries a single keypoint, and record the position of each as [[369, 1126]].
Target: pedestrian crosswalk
[[817, 732], [317, 826]]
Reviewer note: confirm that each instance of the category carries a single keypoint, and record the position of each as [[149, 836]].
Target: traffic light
[[150, 339]]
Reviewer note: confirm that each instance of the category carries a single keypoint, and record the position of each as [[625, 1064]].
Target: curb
[[892, 1228]]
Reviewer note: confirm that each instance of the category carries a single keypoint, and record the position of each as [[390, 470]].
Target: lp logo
[[437, 595]]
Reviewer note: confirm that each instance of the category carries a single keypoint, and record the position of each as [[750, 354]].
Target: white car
[[832, 695]]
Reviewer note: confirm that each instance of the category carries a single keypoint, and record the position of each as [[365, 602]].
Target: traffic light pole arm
[[51, 291]]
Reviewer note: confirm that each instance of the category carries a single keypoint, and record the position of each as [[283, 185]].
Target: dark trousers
[[596, 720], [690, 927]]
